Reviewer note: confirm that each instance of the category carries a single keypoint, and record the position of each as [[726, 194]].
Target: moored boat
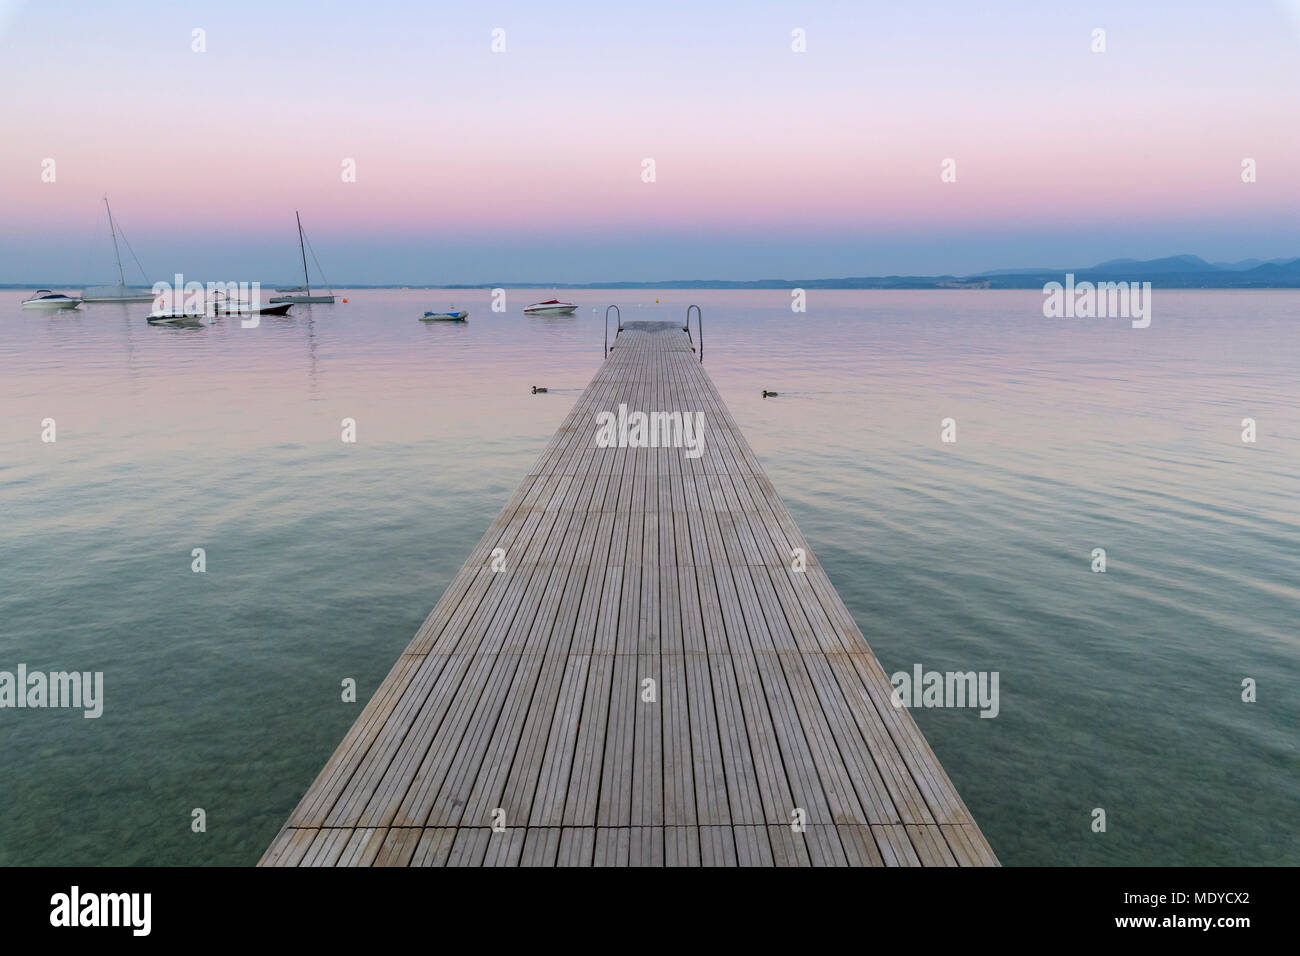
[[225, 306], [302, 294], [45, 299], [219, 304], [460, 316], [551, 307], [174, 318], [304, 299], [120, 292], [115, 293]]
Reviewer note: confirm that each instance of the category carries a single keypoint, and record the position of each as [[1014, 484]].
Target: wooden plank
[[647, 748], [788, 847], [290, 847], [613, 846], [363, 847], [647, 846], [859, 845], [399, 846], [895, 848], [717, 846], [577, 846], [824, 847], [930, 846], [505, 847], [584, 781], [488, 785], [753, 847], [553, 785], [678, 769], [469, 847], [708, 769], [434, 847], [615, 804], [681, 846], [327, 847], [541, 847], [969, 848]]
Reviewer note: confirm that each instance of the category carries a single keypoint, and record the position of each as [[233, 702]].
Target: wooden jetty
[[629, 670]]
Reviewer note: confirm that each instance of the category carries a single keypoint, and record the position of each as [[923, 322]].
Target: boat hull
[[444, 317], [116, 293], [51, 305], [175, 319], [551, 310], [304, 299], [281, 309], [194, 318]]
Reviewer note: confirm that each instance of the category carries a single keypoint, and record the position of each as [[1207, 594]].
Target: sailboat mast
[[113, 232], [306, 280]]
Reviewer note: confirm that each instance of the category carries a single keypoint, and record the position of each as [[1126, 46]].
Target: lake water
[[1120, 690]]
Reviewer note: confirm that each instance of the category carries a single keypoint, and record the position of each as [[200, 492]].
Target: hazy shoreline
[[1175, 272]]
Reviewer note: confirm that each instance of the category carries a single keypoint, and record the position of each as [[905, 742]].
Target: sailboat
[[302, 293], [119, 292]]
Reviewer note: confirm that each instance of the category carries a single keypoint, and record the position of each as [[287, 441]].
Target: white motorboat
[[303, 294], [45, 299], [120, 292], [551, 307]]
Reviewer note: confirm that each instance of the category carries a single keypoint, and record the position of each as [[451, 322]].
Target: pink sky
[[455, 145]]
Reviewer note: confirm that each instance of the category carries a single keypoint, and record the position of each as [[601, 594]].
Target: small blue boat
[[460, 316]]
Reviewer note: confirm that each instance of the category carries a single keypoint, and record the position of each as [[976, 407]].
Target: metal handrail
[[620, 326], [699, 324]]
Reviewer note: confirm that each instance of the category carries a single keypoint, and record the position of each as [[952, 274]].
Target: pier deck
[[525, 699]]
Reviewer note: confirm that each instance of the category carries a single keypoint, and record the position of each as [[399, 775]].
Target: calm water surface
[[1120, 691]]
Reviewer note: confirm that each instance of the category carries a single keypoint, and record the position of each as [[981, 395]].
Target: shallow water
[[1120, 691]]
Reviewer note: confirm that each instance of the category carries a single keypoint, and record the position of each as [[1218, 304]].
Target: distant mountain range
[[1171, 272], [1178, 264], [1185, 271]]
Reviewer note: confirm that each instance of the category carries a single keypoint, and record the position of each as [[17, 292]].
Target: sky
[[529, 164]]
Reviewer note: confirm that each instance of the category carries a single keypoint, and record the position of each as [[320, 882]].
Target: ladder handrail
[[699, 324], [620, 326]]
